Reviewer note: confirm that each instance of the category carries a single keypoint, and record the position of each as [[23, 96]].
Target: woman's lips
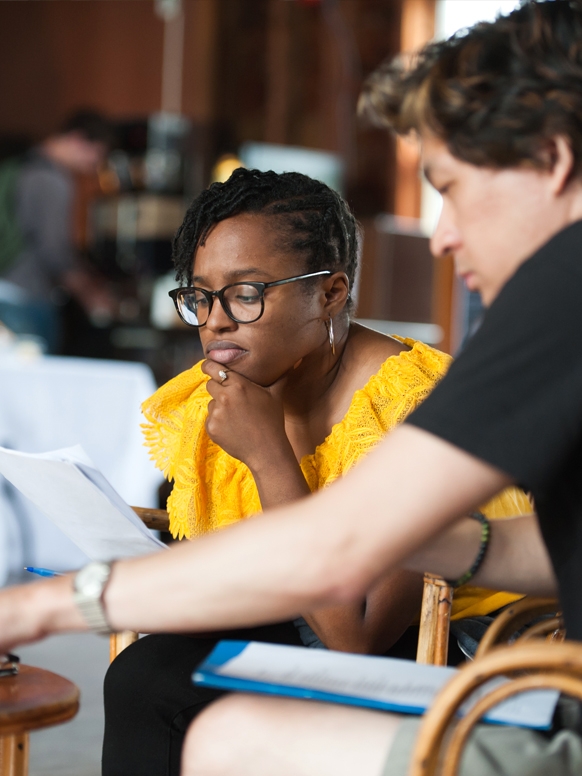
[[225, 355]]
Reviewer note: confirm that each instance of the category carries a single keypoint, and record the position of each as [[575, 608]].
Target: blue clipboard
[[214, 672]]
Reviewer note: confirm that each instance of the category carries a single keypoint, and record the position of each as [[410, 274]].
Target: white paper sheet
[[401, 684], [68, 489]]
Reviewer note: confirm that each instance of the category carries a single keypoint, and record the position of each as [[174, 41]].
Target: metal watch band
[[89, 585]]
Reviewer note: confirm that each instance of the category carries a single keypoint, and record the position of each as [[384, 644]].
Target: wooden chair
[[30, 700], [435, 619], [519, 614], [532, 665], [157, 519]]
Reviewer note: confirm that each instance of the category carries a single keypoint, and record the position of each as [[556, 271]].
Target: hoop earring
[[329, 327]]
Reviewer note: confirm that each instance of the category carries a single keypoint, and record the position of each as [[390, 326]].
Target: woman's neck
[[321, 392], [310, 386]]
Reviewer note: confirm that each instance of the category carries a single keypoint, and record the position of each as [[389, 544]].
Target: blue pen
[[43, 572]]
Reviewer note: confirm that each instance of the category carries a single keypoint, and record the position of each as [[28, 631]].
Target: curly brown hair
[[496, 93]]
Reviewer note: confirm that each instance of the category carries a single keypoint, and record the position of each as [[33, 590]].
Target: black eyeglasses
[[242, 302]]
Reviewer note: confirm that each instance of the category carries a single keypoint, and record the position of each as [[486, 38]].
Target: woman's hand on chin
[[245, 419]]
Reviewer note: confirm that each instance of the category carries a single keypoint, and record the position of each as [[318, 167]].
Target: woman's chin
[[261, 373], [227, 356], [263, 377]]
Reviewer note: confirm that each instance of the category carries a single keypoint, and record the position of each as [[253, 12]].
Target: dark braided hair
[[311, 219]]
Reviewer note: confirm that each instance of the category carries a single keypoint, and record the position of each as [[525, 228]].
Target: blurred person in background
[[37, 254]]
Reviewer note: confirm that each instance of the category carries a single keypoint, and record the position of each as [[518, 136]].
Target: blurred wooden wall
[[284, 71]]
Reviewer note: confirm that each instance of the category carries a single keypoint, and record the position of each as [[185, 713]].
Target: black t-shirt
[[513, 398]]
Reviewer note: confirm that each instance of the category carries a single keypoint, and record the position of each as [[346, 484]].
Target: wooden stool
[[32, 699]]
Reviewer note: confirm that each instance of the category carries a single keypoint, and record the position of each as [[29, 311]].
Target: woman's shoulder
[[379, 357], [395, 376]]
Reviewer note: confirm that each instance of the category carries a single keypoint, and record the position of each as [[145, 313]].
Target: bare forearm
[[238, 577], [516, 559], [328, 549], [373, 625], [279, 479]]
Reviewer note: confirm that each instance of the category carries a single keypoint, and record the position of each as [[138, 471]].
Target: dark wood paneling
[[397, 273], [59, 55], [253, 70]]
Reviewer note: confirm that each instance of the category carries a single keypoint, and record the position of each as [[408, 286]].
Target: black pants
[[150, 699]]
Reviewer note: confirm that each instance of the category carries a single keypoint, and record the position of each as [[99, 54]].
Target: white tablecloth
[[53, 402]]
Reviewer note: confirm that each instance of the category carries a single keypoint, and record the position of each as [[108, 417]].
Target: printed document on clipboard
[[385, 683], [69, 489]]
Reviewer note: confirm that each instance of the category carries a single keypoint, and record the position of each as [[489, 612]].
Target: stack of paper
[[73, 493]]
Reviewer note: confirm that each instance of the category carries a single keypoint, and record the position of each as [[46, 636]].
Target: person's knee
[[120, 678], [223, 736]]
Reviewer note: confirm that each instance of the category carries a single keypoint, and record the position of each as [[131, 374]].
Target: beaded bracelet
[[485, 536]]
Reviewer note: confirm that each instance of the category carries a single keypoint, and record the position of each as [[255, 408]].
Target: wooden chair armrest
[[158, 519], [556, 666], [552, 628], [435, 617], [119, 641], [513, 618]]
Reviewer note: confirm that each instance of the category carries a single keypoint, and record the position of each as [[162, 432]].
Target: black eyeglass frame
[[176, 293]]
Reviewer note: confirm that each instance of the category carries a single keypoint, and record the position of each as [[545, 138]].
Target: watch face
[[90, 580]]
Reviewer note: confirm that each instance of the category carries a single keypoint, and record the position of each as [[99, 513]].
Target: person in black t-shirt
[[499, 113]]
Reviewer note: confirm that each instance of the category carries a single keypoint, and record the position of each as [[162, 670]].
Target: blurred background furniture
[[49, 403], [195, 88], [190, 99], [30, 700]]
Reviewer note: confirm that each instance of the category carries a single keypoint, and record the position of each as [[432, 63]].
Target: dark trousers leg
[[150, 699]]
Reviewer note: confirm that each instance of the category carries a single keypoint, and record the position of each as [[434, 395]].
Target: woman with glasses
[[290, 395]]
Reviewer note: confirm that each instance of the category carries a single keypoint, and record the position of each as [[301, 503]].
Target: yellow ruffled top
[[212, 489]]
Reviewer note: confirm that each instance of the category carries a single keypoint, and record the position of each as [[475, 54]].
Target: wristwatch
[[89, 585]]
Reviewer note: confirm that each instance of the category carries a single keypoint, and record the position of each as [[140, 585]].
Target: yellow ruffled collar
[[212, 489]]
